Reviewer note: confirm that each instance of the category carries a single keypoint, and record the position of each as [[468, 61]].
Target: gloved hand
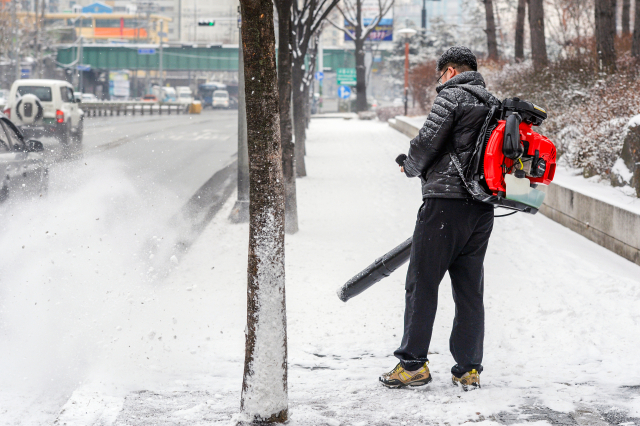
[[400, 159]]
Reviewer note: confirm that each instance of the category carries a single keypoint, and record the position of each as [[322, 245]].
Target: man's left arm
[[429, 145]]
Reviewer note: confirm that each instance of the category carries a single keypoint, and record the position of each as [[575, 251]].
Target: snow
[[561, 312], [600, 189], [264, 394]]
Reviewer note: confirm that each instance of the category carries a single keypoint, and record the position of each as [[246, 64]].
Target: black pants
[[450, 235]]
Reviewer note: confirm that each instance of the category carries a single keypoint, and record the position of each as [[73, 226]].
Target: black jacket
[[455, 119]]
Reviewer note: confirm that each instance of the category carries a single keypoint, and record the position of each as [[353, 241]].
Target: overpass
[[176, 58]]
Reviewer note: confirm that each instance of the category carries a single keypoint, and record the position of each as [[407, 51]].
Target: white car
[[184, 95], [46, 108], [3, 97], [89, 97], [220, 99]]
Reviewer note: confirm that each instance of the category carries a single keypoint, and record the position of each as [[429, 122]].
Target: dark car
[[22, 166]]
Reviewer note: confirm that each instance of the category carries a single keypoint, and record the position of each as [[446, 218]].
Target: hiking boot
[[399, 377], [470, 380]]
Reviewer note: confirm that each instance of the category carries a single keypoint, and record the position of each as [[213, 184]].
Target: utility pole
[[79, 65], [424, 16], [240, 212], [14, 39], [179, 20], [161, 37]]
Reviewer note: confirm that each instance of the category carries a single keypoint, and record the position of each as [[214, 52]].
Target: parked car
[[46, 108], [149, 98], [220, 99], [22, 166]]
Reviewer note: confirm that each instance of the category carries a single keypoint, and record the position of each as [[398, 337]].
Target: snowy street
[[98, 331]]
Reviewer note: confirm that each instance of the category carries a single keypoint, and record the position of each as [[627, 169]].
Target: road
[[179, 153], [118, 214]]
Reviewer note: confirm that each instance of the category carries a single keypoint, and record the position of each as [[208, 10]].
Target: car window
[[11, 136], [43, 93], [4, 142], [66, 94]]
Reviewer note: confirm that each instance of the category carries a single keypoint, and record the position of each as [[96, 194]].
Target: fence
[[108, 108]]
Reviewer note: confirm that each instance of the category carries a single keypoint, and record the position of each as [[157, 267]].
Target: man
[[452, 230]]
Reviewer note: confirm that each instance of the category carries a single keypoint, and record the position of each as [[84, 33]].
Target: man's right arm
[[429, 145]]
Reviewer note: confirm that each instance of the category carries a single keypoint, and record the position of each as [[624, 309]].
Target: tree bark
[[605, 17], [538, 42], [361, 77], [522, 9], [635, 46], [286, 129], [492, 42], [299, 127], [626, 17], [361, 68], [264, 385]]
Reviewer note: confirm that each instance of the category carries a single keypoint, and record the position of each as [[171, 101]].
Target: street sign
[[162, 34], [83, 67], [319, 76], [344, 92], [346, 76], [146, 51], [25, 72]]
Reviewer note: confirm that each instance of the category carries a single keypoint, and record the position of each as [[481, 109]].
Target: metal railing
[[116, 108]]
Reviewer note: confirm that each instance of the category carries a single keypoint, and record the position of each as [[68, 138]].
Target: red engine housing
[[494, 159]]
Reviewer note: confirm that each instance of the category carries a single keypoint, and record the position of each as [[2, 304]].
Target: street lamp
[[406, 33]]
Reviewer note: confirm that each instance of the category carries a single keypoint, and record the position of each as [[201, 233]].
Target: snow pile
[[79, 273], [265, 394]]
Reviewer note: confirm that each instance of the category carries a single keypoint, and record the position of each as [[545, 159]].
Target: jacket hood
[[473, 78]]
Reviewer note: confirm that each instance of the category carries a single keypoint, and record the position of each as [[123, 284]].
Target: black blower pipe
[[381, 268]]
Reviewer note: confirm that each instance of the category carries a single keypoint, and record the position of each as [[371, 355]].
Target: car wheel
[[77, 137]]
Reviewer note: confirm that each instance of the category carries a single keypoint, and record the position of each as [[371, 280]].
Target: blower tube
[[381, 268]]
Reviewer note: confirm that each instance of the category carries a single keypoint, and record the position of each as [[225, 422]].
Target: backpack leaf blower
[[509, 161]]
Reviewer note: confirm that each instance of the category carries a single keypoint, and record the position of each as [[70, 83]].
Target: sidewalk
[[561, 329]]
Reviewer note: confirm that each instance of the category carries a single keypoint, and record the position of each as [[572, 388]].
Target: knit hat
[[458, 55]]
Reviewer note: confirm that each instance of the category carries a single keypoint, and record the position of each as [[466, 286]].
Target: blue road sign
[[319, 76], [344, 92], [146, 51], [83, 67]]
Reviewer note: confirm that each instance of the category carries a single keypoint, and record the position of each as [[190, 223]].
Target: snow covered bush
[[588, 111]]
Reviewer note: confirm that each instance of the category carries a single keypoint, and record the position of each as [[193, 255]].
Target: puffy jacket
[[455, 119]]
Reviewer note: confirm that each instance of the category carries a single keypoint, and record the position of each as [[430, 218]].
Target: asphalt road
[[178, 152]]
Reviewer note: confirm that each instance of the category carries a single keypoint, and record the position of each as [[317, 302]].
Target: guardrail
[[109, 108]]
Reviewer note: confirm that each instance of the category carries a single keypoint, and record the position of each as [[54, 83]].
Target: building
[[104, 27]]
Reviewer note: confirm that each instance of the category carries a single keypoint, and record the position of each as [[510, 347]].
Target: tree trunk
[[264, 385], [538, 42], [605, 17], [492, 42], [299, 128], [626, 17], [635, 47], [522, 9], [286, 129], [361, 68], [361, 77]]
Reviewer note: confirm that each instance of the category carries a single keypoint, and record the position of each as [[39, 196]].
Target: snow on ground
[[561, 332], [599, 188]]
